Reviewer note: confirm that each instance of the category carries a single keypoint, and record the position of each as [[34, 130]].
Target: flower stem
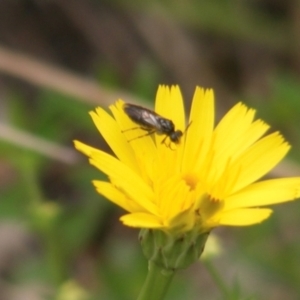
[[157, 283]]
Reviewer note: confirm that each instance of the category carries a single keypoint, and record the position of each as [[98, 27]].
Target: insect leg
[[140, 136], [133, 128], [163, 141], [187, 127], [167, 145]]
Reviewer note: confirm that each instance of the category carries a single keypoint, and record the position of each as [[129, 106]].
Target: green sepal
[[172, 251]]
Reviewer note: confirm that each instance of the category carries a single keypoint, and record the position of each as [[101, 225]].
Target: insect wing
[[151, 120], [142, 116]]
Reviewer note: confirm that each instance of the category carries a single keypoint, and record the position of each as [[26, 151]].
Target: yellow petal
[[175, 108], [228, 135], [244, 216], [199, 133], [125, 179], [247, 138], [259, 159], [169, 104], [266, 192], [111, 132], [233, 125], [116, 196], [183, 221], [138, 140], [142, 220], [174, 196], [85, 149]]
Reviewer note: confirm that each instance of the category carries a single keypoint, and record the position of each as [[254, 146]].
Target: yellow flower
[[208, 179]]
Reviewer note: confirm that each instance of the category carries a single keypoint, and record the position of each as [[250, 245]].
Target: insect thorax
[[167, 126]]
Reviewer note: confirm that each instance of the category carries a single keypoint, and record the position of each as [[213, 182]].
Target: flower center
[[191, 180]]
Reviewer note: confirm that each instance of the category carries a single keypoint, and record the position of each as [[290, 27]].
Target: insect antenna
[[187, 127]]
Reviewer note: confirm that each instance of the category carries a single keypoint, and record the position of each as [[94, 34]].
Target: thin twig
[[45, 75], [28, 141]]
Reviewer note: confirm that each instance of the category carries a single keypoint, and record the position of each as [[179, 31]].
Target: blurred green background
[[60, 59]]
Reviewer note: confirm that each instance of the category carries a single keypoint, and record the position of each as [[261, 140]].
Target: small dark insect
[[152, 122]]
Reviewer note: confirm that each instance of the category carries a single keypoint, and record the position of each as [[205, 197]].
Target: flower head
[[208, 179]]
